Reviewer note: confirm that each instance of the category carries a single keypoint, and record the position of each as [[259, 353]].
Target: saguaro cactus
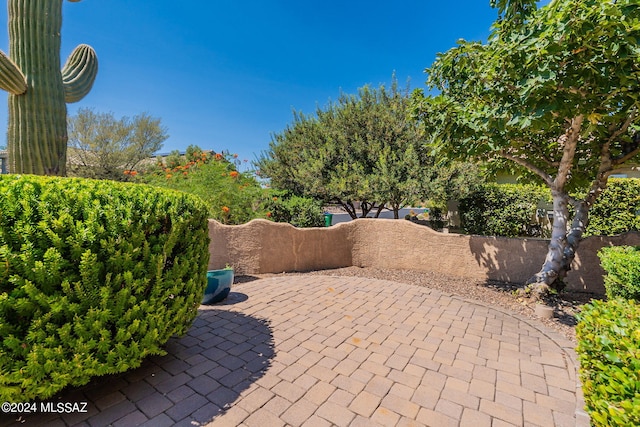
[[38, 88]]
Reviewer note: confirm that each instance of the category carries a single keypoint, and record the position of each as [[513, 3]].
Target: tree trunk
[[396, 209], [562, 247], [551, 273], [574, 237], [556, 264], [366, 208], [348, 206]]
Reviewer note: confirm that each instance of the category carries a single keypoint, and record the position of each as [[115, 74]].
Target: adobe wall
[[262, 246]]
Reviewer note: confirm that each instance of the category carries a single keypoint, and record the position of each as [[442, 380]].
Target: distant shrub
[[608, 335], [616, 210], [232, 197], [94, 277], [622, 264], [297, 211], [501, 209]]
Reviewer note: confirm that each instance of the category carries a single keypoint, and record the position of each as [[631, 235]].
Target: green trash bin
[[328, 218]]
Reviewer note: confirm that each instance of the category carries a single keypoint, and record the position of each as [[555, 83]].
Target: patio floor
[[344, 351]]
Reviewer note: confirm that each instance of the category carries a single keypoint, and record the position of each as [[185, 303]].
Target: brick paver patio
[[322, 351]]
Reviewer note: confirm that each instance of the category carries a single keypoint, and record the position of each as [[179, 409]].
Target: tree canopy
[[363, 148], [101, 146], [554, 91]]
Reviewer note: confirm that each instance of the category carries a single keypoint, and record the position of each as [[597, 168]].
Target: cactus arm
[[79, 73], [11, 78]]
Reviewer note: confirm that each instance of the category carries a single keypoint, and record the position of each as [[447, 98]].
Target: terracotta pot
[[544, 311]]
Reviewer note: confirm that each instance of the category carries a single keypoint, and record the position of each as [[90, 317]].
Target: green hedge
[[94, 276], [622, 264], [501, 209], [608, 336], [616, 209], [297, 211]]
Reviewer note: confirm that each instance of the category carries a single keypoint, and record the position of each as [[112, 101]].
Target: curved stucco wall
[[262, 246]]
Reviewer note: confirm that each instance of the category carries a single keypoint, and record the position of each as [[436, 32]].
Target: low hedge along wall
[[94, 277], [608, 335], [622, 265], [501, 209]]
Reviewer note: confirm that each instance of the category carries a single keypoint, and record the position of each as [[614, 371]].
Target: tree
[[452, 180], [554, 91], [101, 146], [361, 148]]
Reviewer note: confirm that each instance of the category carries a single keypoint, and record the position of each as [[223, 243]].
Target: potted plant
[[218, 285]]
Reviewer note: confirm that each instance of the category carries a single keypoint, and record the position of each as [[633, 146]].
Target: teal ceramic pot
[[218, 285]]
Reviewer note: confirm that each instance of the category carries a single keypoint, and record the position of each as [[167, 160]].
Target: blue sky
[[226, 74]]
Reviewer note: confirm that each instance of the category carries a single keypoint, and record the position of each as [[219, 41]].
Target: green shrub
[[501, 209], [622, 264], [608, 336], [297, 211], [616, 210], [94, 276], [232, 197]]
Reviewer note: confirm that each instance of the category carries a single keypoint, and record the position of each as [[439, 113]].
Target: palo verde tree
[[553, 91], [38, 89], [362, 148], [101, 146]]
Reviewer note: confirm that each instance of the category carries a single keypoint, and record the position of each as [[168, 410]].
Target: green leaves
[[616, 209], [101, 146], [231, 196], [297, 211], [608, 336], [89, 283], [501, 210], [540, 69], [362, 147], [622, 264]]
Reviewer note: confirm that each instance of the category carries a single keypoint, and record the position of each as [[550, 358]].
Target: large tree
[[553, 91], [101, 146], [362, 148]]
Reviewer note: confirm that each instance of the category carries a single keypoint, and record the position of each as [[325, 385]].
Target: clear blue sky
[[226, 74]]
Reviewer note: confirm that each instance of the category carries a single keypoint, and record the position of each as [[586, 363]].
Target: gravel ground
[[498, 294]]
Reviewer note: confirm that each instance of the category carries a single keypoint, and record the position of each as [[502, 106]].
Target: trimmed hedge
[[622, 264], [617, 208], [297, 211], [608, 336], [508, 209], [501, 209], [94, 277]]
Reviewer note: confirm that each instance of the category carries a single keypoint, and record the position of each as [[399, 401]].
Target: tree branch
[[569, 151], [604, 170], [522, 162], [635, 147]]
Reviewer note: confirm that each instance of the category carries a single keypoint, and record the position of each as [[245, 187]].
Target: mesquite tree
[[101, 146], [554, 91], [362, 148], [38, 89]]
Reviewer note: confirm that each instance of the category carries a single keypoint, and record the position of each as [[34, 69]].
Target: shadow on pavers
[[233, 298], [201, 375]]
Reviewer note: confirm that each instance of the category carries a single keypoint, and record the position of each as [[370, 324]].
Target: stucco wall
[[262, 246]]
